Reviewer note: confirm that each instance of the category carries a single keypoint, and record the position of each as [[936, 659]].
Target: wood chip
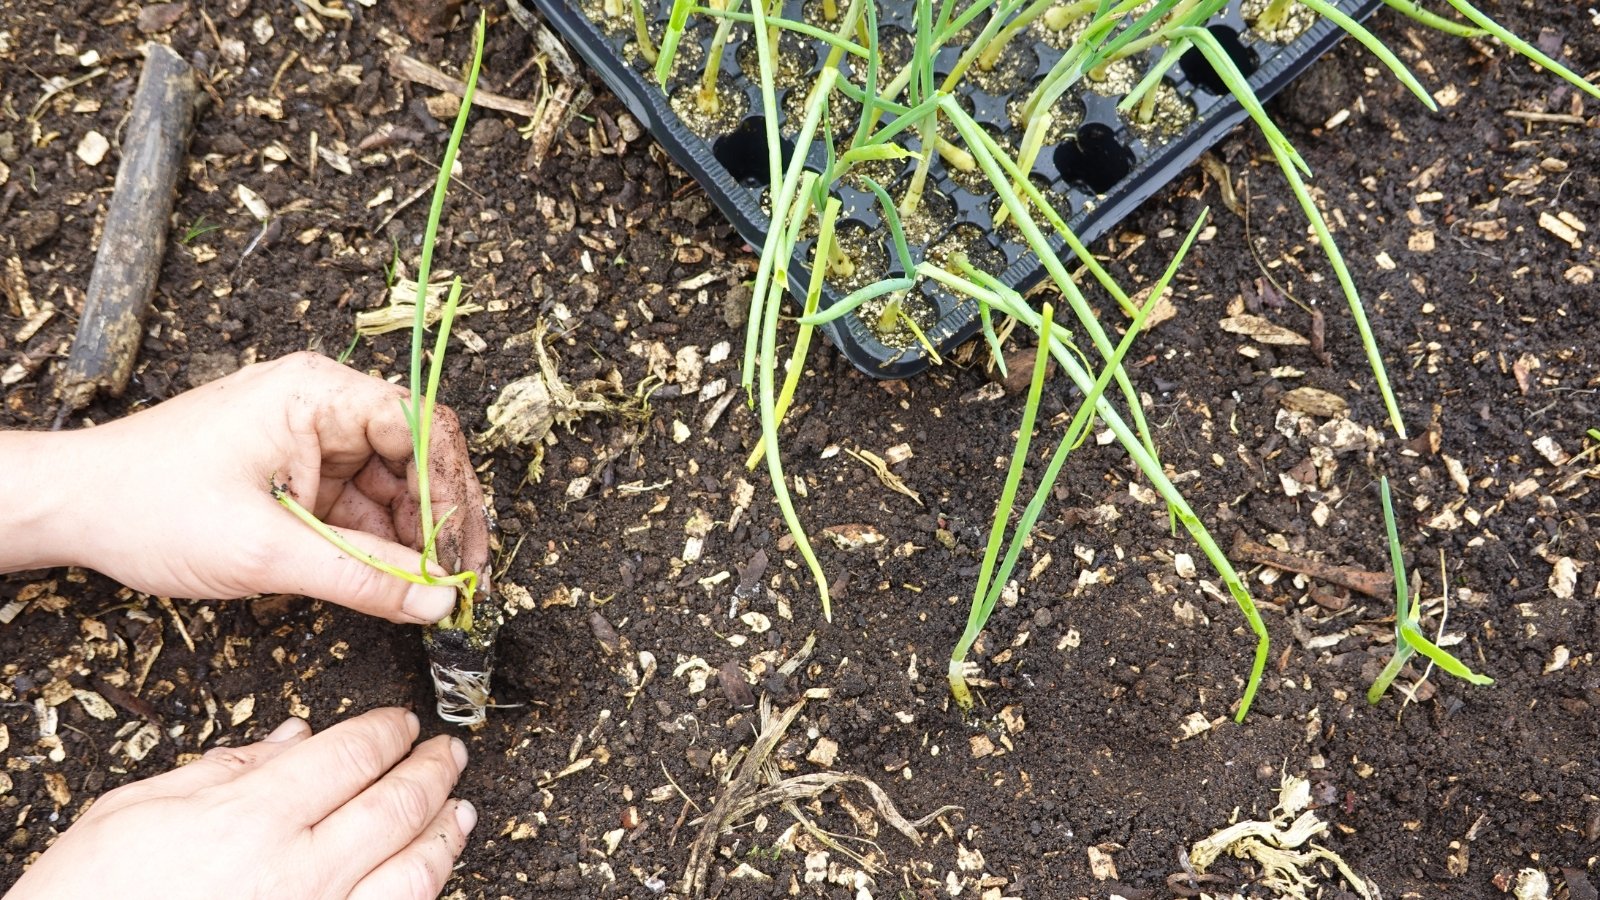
[[55, 784], [1564, 578], [141, 742], [95, 705], [241, 711], [853, 536], [1262, 331], [1563, 229], [824, 753], [1315, 402], [92, 148], [1100, 864]]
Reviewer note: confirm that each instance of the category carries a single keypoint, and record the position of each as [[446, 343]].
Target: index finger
[[323, 772], [353, 416]]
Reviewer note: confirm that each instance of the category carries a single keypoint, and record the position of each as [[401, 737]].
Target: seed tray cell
[[1096, 168]]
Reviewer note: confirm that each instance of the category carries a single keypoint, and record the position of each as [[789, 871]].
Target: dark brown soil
[[1487, 320]]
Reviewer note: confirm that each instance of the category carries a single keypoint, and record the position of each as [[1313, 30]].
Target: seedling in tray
[[899, 113], [461, 647]]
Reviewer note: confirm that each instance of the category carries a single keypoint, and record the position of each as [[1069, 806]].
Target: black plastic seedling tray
[[1097, 173]]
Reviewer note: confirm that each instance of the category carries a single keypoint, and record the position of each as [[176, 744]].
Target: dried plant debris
[[401, 310], [1281, 846], [755, 785], [529, 407]]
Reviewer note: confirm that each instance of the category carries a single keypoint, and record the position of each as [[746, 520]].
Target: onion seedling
[[461, 646], [677, 20], [641, 32], [1408, 639], [708, 98], [991, 582], [1145, 459]]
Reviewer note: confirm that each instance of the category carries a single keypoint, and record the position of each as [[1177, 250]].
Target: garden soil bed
[[655, 539]]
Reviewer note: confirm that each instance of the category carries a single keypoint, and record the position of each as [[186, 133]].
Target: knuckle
[[230, 757], [445, 420], [363, 753], [119, 796], [358, 582], [306, 359], [422, 876], [410, 804]]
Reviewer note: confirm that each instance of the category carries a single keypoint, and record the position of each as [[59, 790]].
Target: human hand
[[347, 813], [176, 500]]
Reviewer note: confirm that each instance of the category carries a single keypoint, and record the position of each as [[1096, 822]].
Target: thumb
[[309, 564]]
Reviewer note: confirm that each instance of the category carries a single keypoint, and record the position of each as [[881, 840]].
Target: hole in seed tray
[[743, 151], [1064, 119], [933, 215], [842, 113], [1016, 66], [895, 49], [1040, 183], [1198, 69], [611, 16], [1056, 28], [1095, 159], [975, 180], [914, 305], [813, 13]]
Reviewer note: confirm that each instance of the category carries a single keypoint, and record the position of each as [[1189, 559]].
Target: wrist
[[42, 484]]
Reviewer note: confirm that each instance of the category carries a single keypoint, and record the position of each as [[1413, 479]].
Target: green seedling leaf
[[811, 31], [829, 215], [1523, 47], [1384, 54], [1437, 22], [980, 610], [1146, 460], [995, 351], [991, 581], [856, 298], [641, 32], [902, 250], [1284, 153], [676, 21], [1407, 638], [877, 152]]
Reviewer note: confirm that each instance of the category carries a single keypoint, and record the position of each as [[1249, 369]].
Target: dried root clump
[[1282, 847]]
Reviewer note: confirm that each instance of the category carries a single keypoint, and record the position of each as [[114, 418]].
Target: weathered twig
[[757, 784], [404, 67], [743, 783], [566, 100], [1373, 584], [135, 234]]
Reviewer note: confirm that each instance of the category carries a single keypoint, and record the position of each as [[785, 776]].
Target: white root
[[462, 697]]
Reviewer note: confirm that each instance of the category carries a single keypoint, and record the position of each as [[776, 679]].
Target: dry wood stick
[[1373, 584], [135, 234]]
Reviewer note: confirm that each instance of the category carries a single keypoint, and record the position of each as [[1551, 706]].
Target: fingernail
[[466, 815], [428, 603], [290, 728], [413, 722], [459, 751]]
